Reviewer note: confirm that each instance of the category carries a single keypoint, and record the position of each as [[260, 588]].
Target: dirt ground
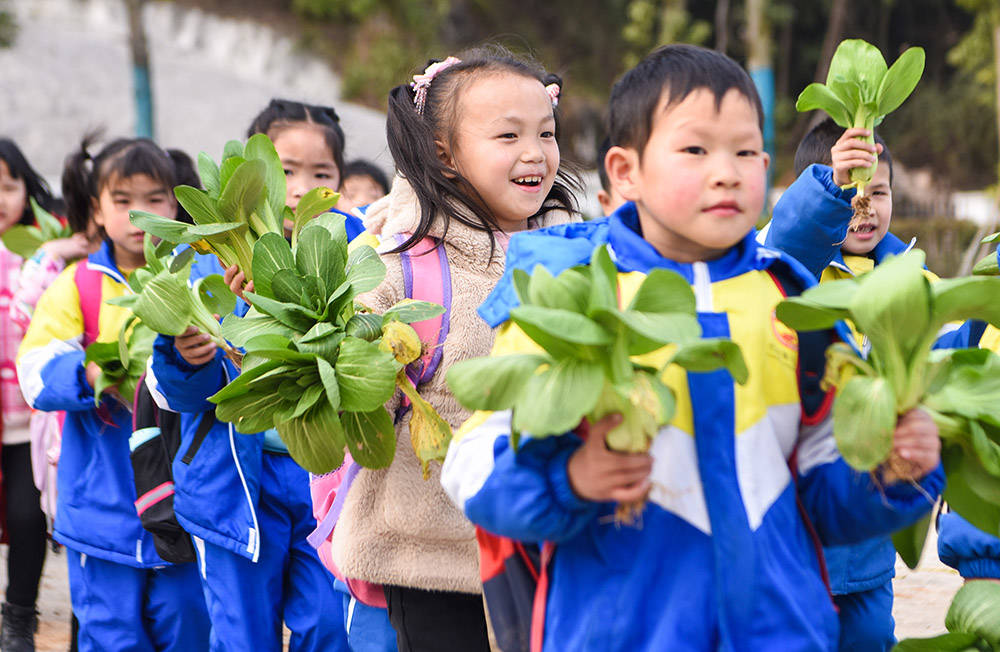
[[922, 598]]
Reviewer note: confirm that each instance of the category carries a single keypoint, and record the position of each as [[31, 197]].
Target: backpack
[[426, 277], [155, 441]]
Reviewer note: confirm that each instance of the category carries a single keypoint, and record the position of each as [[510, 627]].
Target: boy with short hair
[[811, 219], [362, 183], [811, 223], [723, 558]]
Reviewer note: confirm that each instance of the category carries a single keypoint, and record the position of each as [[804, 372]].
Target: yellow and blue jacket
[[809, 222], [95, 512], [723, 558]]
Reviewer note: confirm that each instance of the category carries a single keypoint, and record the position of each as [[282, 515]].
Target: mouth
[[724, 208], [528, 181], [864, 229]]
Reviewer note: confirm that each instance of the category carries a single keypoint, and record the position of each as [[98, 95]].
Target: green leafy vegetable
[[973, 622], [243, 200], [588, 344], [163, 300], [24, 240], [860, 91], [901, 314], [319, 367], [122, 362]]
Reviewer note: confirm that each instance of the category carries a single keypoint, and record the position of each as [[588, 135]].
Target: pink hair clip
[[422, 82], [553, 90]]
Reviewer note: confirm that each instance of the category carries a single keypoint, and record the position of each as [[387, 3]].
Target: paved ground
[[922, 598]]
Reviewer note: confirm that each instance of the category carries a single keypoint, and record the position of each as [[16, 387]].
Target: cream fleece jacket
[[397, 528]]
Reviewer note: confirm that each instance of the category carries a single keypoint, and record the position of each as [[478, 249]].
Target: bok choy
[[901, 314], [319, 367], [244, 198], [860, 90], [592, 349]]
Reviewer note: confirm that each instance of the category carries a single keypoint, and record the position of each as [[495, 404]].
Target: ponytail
[[77, 187]]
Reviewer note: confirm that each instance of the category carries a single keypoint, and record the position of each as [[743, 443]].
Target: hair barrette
[[423, 82], [553, 90]]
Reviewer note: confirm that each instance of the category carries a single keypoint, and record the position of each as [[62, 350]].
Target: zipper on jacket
[[702, 287]]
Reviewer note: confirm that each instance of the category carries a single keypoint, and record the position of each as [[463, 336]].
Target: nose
[[725, 171], [532, 152]]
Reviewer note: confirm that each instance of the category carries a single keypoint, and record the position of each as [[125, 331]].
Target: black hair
[[362, 168], [677, 70], [602, 172], [816, 145], [412, 140], [185, 174], [35, 186], [85, 176], [280, 114]]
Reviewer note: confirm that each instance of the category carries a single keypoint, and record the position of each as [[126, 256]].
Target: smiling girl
[[474, 144]]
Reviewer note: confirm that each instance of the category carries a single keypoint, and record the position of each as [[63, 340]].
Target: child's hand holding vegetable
[[602, 475], [195, 347], [237, 281], [852, 151], [916, 442]]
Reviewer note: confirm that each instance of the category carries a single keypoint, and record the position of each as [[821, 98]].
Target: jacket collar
[[634, 254], [889, 246], [103, 260]]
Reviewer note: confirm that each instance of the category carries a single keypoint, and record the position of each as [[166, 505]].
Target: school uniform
[[723, 559], [124, 595]]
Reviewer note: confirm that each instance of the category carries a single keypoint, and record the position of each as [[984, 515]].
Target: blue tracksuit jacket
[[723, 559]]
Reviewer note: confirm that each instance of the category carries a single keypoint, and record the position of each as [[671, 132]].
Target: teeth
[[528, 180]]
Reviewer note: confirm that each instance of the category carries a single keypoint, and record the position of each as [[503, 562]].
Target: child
[[242, 497], [25, 523], [124, 595], [810, 221], [362, 185], [723, 558], [608, 196], [474, 144]]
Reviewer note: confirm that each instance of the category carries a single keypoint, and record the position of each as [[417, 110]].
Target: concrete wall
[[69, 71]]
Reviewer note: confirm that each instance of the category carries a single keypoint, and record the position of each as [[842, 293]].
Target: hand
[[93, 371], [71, 248], [851, 152], [916, 446], [598, 474], [236, 280], [195, 347]]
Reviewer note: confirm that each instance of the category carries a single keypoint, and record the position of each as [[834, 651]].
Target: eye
[[881, 193], [548, 134], [747, 152], [288, 172], [322, 175], [508, 136], [697, 150]]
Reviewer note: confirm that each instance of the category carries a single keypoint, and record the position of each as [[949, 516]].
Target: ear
[[445, 156], [622, 166]]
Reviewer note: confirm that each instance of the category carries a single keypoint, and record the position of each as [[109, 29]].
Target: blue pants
[[866, 623], [248, 601], [368, 628], [136, 609]]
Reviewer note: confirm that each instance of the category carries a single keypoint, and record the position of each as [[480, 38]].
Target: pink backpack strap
[[89, 286], [427, 277]]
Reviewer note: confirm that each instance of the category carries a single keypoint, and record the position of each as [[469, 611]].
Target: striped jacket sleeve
[[848, 506], [50, 365], [524, 494]]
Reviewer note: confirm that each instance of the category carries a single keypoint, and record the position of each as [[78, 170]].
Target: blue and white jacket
[[723, 559], [95, 512]]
